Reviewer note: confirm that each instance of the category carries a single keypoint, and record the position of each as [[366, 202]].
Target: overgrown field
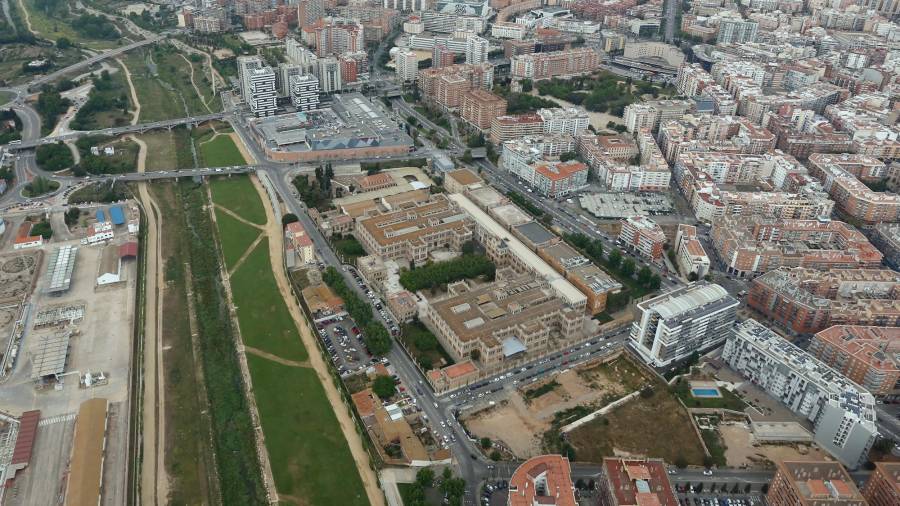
[[311, 460]]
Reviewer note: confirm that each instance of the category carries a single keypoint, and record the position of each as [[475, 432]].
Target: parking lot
[[344, 342]]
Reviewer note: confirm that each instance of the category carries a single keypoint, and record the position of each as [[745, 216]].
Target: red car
[[355, 330]]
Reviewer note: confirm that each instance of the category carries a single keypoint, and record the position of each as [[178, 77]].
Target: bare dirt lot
[[740, 451], [519, 422]]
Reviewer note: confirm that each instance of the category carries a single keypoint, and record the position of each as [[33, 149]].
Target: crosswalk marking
[[56, 419]]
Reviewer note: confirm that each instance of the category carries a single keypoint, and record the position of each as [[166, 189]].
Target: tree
[[655, 282], [644, 275], [765, 489], [527, 85], [377, 338], [63, 43], [72, 215], [569, 155], [699, 488], [384, 387], [486, 442], [693, 276], [708, 461], [42, 229], [475, 355], [288, 219], [425, 477], [647, 392], [614, 259], [54, 157], [467, 156], [747, 488], [579, 484], [468, 248], [495, 456], [627, 267], [680, 462], [546, 220]]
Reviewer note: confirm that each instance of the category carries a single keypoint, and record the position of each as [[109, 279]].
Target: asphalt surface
[[140, 127]]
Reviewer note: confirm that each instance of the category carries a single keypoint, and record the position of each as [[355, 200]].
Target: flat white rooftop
[[564, 288]]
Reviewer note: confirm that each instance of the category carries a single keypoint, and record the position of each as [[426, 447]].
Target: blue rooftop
[[116, 215], [101, 216]]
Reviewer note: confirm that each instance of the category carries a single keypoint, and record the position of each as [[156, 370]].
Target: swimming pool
[[705, 392]]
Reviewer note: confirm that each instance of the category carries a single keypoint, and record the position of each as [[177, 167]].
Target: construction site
[[66, 331]]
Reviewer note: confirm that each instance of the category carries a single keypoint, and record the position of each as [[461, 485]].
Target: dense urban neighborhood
[[450, 252]]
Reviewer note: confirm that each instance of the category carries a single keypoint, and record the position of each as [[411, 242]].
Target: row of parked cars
[[392, 326]]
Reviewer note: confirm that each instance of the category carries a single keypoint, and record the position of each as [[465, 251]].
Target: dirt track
[[154, 480], [276, 251]]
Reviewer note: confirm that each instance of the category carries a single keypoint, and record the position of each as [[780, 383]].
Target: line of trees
[[376, 337], [432, 275]]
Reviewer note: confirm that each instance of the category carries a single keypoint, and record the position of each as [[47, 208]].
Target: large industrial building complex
[[353, 127]]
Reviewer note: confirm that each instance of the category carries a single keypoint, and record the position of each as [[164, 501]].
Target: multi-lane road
[[114, 131]]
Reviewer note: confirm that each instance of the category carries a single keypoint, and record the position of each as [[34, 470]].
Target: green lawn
[[234, 236], [6, 96], [310, 458], [221, 152], [239, 195], [263, 316]]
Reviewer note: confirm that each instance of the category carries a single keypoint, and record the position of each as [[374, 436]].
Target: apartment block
[[413, 231], [629, 482], [507, 128], [564, 120], [643, 235], [520, 156], [854, 199], [672, 326], [545, 480], [753, 245], [807, 301], [539, 66], [650, 115], [812, 483], [883, 486], [841, 412], [736, 31], [558, 179], [692, 79], [406, 65], [593, 281], [689, 253], [709, 203], [262, 93], [515, 317], [479, 108], [869, 356], [886, 237], [446, 85], [305, 92]]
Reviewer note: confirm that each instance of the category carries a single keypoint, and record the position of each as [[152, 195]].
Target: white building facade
[[842, 412], [674, 325]]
